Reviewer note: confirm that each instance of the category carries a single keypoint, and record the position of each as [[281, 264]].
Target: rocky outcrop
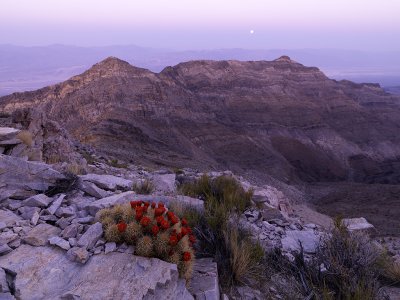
[[277, 117], [20, 178], [105, 276]]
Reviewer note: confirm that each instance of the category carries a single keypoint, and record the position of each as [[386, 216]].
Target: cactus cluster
[[154, 230]]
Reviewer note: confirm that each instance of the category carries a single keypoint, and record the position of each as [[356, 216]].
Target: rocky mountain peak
[[285, 58]]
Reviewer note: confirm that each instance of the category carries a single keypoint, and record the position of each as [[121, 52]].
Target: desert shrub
[[190, 213], [64, 185], [218, 236], [389, 268], [116, 164], [178, 171], [154, 230], [351, 264], [75, 168], [89, 158], [143, 188], [26, 137], [222, 192]]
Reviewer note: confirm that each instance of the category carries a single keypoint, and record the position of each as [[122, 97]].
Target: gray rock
[[84, 220], [13, 204], [40, 200], [65, 212], [77, 254], [134, 277], [92, 189], [93, 207], [6, 296], [204, 282], [358, 224], [9, 217], [71, 231], [15, 243], [23, 176], [91, 236], [2, 225], [8, 132], [56, 240], [108, 182], [308, 239], [73, 242], [4, 249], [35, 218], [28, 212], [165, 183], [110, 247], [63, 223], [48, 218], [55, 205], [3, 282], [40, 234], [10, 142], [7, 237]]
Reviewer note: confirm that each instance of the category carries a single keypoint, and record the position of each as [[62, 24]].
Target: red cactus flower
[[146, 204], [180, 236], [174, 220], [159, 211], [192, 239], [171, 252], [174, 231], [189, 230], [145, 221], [184, 231], [139, 216], [165, 224], [187, 256], [134, 203], [170, 215], [173, 240], [159, 220], [153, 205], [121, 226], [184, 222], [160, 204], [155, 229]]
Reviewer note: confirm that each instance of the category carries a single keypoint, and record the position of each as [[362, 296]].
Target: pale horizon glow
[[178, 24]]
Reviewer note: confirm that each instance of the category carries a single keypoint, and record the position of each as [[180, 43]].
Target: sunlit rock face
[[269, 117]]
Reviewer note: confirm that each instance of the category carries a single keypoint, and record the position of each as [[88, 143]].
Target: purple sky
[[193, 24]]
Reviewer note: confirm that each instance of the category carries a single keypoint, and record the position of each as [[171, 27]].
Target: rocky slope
[[278, 118]]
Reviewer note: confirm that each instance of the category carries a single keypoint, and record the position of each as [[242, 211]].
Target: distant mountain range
[[268, 117], [30, 68]]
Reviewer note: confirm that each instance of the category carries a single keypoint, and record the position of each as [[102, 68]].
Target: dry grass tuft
[[144, 188], [26, 137]]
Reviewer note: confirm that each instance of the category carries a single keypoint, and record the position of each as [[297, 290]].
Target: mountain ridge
[[276, 117]]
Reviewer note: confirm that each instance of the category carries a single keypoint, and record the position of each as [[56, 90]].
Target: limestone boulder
[[108, 182], [112, 276]]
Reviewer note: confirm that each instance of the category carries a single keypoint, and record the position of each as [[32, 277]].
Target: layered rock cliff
[[270, 117]]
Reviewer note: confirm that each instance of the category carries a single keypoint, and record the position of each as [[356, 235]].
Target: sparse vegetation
[[75, 168], [347, 265], [237, 256], [25, 137], [116, 164], [154, 230], [143, 188]]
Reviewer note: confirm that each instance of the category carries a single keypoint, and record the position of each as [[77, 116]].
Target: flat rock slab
[[112, 276], [355, 224], [108, 182], [204, 283], [95, 206], [308, 239], [21, 176], [8, 132], [40, 234], [9, 217]]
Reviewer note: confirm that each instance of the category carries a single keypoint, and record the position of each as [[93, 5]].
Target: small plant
[[26, 137], [75, 168], [154, 230], [143, 188], [116, 164]]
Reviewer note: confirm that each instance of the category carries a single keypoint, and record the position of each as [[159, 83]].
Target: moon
[[252, 31]]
